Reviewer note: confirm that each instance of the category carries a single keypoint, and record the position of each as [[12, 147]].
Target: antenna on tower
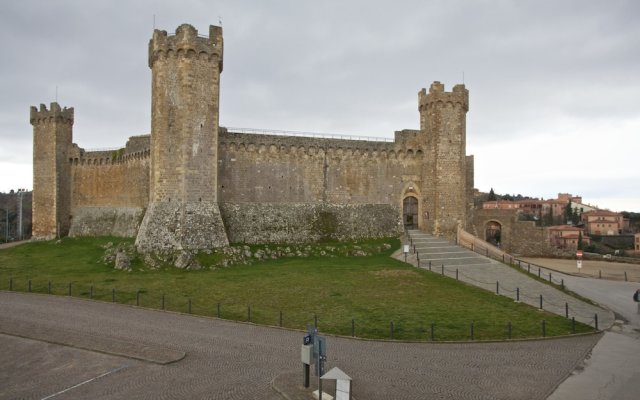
[[220, 20], [154, 21]]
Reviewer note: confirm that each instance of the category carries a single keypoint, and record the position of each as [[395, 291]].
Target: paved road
[[613, 370], [225, 360]]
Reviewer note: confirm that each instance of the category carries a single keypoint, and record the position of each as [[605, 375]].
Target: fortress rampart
[[192, 184]]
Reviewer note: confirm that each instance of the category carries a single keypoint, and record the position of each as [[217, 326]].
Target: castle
[[192, 184]]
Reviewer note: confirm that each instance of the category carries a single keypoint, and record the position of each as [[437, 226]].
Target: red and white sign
[[579, 253]]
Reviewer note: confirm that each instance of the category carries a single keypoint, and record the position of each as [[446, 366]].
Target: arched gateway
[[410, 212]]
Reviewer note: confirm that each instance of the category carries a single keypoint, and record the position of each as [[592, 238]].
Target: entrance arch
[[493, 233], [410, 212]]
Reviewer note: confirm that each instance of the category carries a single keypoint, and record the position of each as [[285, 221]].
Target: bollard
[[138, 297], [29, 285], [442, 269], [391, 327], [550, 277], [573, 324], [541, 302], [218, 310], [456, 273], [163, 301], [471, 330], [249, 313], [433, 328], [566, 310], [280, 322], [49, 287], [113, 295], [625, 276], [544, 328], [69, 289], [596, 321], [353, 327], [414, 249], [528, 268], [562, 283], [509, 329], [497, 287], [518, 294], [418, 262], [189, 305], [538, 272]]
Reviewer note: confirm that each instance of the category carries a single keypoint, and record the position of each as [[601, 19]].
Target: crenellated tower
[[52, 137], [443, 124], [185, 91]]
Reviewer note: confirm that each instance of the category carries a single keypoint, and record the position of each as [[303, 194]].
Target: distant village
[[572, 224]]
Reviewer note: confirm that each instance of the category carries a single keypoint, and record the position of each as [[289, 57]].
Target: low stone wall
[[255, 223], [106, 221]]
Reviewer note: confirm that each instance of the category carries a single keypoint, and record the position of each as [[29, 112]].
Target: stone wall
[[106, 221], [307, 222], [270, 168]]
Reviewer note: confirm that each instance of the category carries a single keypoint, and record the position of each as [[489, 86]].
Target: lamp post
[[20, 194]]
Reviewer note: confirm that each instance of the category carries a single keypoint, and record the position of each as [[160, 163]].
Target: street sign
[[579, 264], [579, 253], [308, 339]]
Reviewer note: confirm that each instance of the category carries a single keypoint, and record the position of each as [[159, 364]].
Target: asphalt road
[[612, 372], [54, 347]]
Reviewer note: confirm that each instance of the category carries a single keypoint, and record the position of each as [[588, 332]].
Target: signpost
[[314, 349], [579, 256], [405, 250]]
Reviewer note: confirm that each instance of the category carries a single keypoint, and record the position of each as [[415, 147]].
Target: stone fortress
[[192, 184]]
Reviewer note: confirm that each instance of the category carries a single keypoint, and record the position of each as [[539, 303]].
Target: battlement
[[56, 114], [187, 43], [437, 94]]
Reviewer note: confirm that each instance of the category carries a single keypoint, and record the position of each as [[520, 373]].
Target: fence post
[[414, 249], [541, 302], [30, 285], [487, 250], [91, 292], [625, 276], [519, 263], [49, 287], [562, 283], [353, 327], [503, 258], [433, 328], [113, 295], [566, 310], [573, 324], [218, 310], [138, 297], [518, 294], [600, 274], [509, 329], [456, 273], [249, 313], [442, 269], [189, 305], [471, 330], [10, 283], [497, 287], [544, 328], [391, 327], [69, 289], [280, 322], [596, 321], [528, 268], [550, 277], [429, 265], [538, 272], [163, 301]]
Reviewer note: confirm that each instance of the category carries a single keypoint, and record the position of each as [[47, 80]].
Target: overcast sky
[[554, 85]]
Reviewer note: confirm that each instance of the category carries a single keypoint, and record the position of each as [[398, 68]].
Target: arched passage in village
[[493, 233]]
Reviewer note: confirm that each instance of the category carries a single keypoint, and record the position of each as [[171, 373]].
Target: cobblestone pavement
[[226, 360], [494, 276]]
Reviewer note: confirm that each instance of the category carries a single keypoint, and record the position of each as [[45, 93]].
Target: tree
[[568, 213], [580, 242], [492, 195]]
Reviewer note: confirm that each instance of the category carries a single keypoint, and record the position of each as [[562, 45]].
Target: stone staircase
[[440, 252]]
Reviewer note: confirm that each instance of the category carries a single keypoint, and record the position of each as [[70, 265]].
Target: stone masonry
[[198, 185]]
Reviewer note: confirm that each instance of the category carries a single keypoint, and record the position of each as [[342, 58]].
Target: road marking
[[87, 381]]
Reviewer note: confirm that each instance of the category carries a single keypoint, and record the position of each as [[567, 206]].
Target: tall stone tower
[[183, 212], [443, 122], [52, 137]]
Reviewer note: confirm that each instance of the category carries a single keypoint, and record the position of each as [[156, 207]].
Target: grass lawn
[[369, 292]]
